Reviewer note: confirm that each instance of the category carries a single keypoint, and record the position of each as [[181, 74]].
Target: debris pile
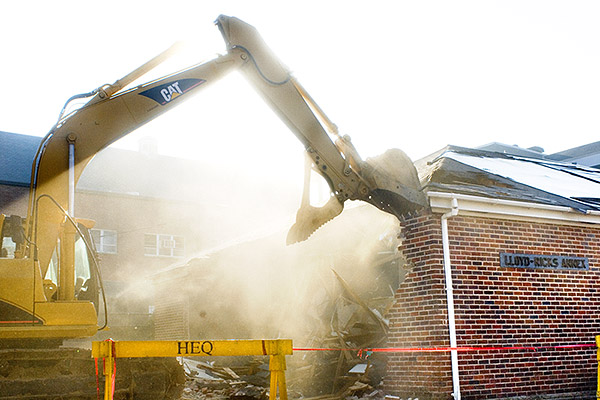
[[350, 323], [330, 296], [333, 364]]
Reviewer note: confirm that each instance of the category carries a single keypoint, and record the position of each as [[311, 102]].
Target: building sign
[[170, 348], [517, 260]]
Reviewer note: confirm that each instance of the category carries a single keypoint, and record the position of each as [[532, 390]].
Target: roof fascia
[[513, 210]]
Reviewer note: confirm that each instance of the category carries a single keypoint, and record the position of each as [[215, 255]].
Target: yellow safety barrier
[[276, 349]]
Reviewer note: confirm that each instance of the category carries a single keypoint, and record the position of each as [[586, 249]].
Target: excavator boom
[[113, 113]]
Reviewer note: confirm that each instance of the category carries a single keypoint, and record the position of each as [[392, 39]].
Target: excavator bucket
[[310, 218], [395, 184], [394, 188]]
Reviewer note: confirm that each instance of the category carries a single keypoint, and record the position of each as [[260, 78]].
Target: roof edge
[[510, 209]]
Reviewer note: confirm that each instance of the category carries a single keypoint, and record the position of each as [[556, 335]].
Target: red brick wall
[[418, 318], [496, 306]]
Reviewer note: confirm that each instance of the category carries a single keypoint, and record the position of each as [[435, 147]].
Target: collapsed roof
[[504, 176]]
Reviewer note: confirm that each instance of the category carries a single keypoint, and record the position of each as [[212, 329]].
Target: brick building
[[520, 238]]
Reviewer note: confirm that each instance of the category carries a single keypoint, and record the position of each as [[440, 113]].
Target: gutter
[[471, 205], [450, 298]]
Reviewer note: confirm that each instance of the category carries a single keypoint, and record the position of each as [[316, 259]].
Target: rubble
[[205, 389], [333, 305], [349, 322]]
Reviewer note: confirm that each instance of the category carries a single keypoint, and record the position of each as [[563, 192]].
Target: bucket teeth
[[309, 219]]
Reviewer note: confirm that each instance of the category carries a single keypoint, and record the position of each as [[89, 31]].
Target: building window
[[163, 245], [105, 240], [7, 248]]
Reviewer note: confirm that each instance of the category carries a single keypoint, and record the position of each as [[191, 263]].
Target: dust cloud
[[238, 279], [261, 288], [233, 276]]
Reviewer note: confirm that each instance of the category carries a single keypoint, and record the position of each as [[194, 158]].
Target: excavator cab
[[86, 282], [56, 301]]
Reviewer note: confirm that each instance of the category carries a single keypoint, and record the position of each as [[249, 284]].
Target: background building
[[151, 211]]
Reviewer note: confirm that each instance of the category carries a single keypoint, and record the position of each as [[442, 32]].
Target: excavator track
[[70, 374]]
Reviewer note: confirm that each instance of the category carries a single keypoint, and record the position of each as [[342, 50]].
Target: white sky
[[414, 75]]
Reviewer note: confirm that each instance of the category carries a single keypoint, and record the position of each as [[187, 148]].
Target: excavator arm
[[389, 182], [113, 112]]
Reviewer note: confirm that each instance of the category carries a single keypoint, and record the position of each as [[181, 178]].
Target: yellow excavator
[[51, 287]]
